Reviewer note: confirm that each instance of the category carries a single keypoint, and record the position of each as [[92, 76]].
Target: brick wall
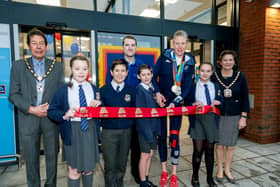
[[260, 61]]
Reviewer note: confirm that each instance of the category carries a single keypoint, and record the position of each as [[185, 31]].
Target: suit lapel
[[30, 75]]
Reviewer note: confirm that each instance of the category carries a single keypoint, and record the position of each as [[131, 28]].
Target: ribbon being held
[[133, 112]]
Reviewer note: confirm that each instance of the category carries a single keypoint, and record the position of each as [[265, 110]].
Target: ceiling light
[[274, 3], [152, 13], [49, 2]]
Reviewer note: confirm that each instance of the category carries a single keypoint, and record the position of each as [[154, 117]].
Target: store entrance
[[63, 44]]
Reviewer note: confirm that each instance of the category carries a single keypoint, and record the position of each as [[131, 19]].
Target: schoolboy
[[116, 133], [148, 128]]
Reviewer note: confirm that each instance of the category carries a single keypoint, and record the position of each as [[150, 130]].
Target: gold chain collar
[[37, 77], [232, 83]]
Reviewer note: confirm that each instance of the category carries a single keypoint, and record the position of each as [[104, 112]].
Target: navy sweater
[[147, 127], [110, 98]]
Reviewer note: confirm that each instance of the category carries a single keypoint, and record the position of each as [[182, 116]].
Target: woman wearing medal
[[174, 71], [233, 113]]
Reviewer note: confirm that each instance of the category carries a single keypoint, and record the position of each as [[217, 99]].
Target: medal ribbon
[[134, 112], [177, 74]]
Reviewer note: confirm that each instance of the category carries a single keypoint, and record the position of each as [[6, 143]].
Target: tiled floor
[[254, 165]]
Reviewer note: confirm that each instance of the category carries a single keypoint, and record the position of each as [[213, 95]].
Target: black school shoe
[[195, 182], [211, 183], [150, 184]]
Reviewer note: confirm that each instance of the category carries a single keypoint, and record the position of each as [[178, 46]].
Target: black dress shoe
[[150, 184], [195, 182], [230, 180], [211, 183]]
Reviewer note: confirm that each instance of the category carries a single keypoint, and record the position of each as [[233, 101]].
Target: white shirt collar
[[114, 84], [202, 83], [76, 84], [147, 86]]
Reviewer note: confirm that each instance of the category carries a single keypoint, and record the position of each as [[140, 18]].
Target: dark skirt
[[205, 128], [228, 130], [83, 153]]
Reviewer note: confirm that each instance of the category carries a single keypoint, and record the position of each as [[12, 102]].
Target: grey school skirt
[[205, 128], [83, 152], [228, 130]]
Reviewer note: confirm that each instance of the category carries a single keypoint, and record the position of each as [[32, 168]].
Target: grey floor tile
[[275, 157], [243, 183], [266, 163], [253, 165], [263, 149], [267, 180], [247, 169], [244, 153]]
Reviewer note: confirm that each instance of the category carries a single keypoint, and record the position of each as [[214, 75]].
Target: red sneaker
[[173, 181], [163, 179]]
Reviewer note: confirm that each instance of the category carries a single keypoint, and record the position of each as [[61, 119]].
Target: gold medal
[[176, 90]]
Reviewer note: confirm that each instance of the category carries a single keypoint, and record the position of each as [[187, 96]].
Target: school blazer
[[58, 107]]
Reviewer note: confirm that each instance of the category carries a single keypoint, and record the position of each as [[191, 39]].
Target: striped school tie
[[83, 103], [207, 94]]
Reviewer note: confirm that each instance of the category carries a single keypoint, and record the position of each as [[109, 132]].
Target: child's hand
[[69, 114], [198, 104], [160, 99], [215, 102], [94, 103]]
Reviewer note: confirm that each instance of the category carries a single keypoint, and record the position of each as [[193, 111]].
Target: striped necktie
[[207, 94], [83, 103]]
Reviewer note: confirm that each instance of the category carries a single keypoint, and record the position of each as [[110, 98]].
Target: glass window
[[84, 4], [146, 8], [224, 8], [71, 45], [198, 11], [110, 48]]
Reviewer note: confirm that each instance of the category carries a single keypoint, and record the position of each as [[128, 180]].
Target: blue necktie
[[207, 94], [118, 89], [83, 103]]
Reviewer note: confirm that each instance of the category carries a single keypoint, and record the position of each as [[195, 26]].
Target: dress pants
[[30, 140], [115, 146]]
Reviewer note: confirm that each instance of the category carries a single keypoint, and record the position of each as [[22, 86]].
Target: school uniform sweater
[[111, 98], [147, 127]]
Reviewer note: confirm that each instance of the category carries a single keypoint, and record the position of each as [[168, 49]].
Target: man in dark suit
[[32, 84]]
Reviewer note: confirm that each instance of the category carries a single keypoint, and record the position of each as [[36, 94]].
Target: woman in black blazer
[[233, 113]]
